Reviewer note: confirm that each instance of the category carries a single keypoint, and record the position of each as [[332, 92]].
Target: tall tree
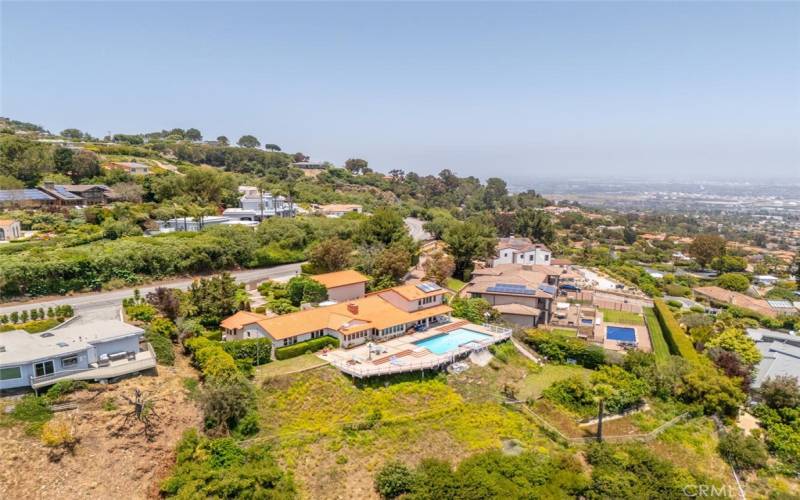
[[193, 135], [705, 247], [535, 224], [385, 227], [331, 255], [72, 133], [222, 140], [272, 147], [356, 165], [248, 141], [438, 267], [495, 194], [468, 241]]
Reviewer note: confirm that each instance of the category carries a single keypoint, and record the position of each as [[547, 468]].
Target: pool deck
[[400, 354], [642, 337]]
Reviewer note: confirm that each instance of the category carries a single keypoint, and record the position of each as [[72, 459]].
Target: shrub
[[64, 387], [735, 340], [678, 341], [226, 401], [503, 351], [744, 453], [393, 480], [305, 347], [219, 468], [162, 346], [559, 349], [780, 392], [677, 290], [58, 434], [248, 425], [214, 362], [734, 281], [258, 351], [34, 411], [141, 312], [163, 327], [675, 303]]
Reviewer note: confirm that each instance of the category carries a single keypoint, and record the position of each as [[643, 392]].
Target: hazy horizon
[[516, 90]]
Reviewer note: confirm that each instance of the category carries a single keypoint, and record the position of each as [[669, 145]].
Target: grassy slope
[[660, 346]]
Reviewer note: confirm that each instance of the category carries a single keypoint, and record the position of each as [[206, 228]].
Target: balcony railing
[[109, 371]]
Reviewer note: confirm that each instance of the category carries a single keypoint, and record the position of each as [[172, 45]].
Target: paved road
[[105, 305], [415, 228]]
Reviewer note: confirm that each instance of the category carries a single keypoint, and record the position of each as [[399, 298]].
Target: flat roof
[[23, 347]]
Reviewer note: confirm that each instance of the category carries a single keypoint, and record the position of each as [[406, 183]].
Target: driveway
[[105, 305], [598, 282]]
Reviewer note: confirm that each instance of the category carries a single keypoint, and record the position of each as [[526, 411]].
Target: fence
[[503, 333], [588, 439]]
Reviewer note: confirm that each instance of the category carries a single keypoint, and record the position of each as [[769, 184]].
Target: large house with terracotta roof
[[343, 285], [376, 317]]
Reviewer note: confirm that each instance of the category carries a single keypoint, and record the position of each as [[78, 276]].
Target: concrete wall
[[521, 320], [347, 292]]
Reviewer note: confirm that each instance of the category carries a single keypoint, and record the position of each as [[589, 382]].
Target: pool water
[[587, 321], [621, 333], [446, 342]]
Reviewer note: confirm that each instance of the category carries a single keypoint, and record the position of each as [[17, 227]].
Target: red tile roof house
[[515, 250], [343, 285]]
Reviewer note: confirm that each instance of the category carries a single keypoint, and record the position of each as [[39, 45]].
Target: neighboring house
[[99, 350], [379, 316], [252, 204], [190, 223], [717, 295], [9, 229], [515, 250], [343, 285], [780, 354], [313, 165], [62, 197], [766, 280], [131, 167], [337, 210], [92, 194], [25, 198], [533, 287]]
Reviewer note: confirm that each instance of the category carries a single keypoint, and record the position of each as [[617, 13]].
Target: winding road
[[105, 305]]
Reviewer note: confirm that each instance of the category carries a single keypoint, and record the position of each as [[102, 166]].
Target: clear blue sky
[[521, 90]]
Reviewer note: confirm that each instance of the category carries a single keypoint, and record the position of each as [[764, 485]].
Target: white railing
[[452, 356], [130, 365]]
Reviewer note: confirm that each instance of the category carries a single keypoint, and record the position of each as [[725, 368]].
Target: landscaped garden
[[626, 317]]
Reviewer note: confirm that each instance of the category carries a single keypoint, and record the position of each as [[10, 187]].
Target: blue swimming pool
[[621, 333], [446, 342]]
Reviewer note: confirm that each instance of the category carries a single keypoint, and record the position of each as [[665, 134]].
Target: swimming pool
[[446, 342], [587, 321], [621, 333]]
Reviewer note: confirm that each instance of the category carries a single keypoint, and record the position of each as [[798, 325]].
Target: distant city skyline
[[516, 90]]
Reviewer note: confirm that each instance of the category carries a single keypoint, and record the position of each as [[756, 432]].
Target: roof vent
[[62, 344], [353, 308], [47, 334]]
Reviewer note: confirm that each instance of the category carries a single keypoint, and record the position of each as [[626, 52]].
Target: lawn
[[277, 368], [564, 332], [534, 384], [455, 284], [628, 318], [660, 346]]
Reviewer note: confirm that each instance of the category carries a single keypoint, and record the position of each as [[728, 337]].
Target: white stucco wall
[[347, 292]]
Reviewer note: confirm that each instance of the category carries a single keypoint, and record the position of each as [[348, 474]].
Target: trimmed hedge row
[[258, 351], [679, 342], [301, 348], [211, 358]]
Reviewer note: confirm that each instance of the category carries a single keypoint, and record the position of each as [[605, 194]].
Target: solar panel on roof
[[507, 285], [23, 194], [428, 287], [514, 289], [780, 304], [548, 289]]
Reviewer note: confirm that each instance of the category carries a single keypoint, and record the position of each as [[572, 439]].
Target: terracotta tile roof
[[340, 278], [737, 299], [240, 319], [413, 292], [373, 312], [7, 222]]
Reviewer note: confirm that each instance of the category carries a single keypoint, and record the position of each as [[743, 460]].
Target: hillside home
[[253, 204], [523, 294], [25, 198], [379, 316], [92, 194], [190, 223], [337, 210], [98, 350], [9, 229], [131, 167], [343, 285], [62, 197], [780, 354], [515, 250]]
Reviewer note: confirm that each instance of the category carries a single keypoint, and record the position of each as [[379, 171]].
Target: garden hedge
[[256, 350], [679, 342], [301, 348], [559, 349]]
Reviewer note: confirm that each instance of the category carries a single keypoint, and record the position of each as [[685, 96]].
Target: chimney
[[352, 307]]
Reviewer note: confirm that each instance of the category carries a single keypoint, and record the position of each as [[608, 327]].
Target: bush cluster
[[301, 348], [560, 349], [256, 351]]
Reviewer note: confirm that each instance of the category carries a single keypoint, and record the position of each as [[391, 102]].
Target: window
[[42, 369], [546, 257], [70, 361], [530, 257], [10, 373]]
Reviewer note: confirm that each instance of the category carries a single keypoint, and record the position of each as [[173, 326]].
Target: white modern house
[[253, 204], [766, 280], [513, 250], [9, 229], [99, 350], [190, 223]]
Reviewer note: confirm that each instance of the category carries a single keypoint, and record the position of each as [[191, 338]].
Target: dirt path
[[110, 461]]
